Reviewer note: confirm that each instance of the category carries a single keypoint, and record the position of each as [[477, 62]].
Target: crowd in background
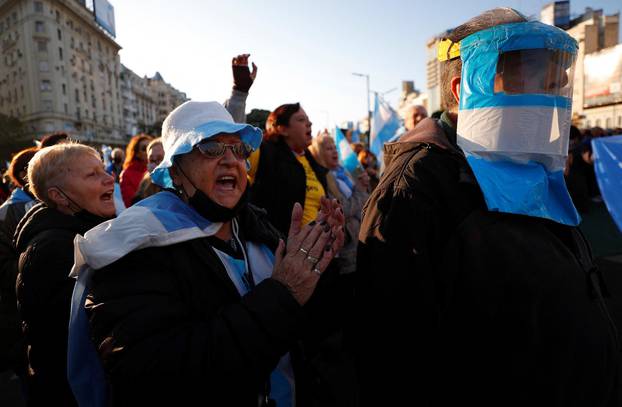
[[148, 334]]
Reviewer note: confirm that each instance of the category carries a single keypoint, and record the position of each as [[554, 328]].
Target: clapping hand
[[310, 249]]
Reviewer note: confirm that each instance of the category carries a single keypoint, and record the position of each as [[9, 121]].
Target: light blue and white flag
[[17, 196], [356, 134], [119, 205], [160, 220], [346, 155], [608, 168], [384, 124]]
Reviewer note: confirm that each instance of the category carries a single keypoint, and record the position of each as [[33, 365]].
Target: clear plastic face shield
[[515, 115], [535, 71]]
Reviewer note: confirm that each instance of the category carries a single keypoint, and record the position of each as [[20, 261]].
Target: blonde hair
[[316, 151], [50, 166], [316, 147], [155, 142]]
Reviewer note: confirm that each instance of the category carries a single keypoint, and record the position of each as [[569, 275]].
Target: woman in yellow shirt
[[283, 171]]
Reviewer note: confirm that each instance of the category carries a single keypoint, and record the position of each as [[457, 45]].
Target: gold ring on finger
[[317, 271], [305, 251], [312, 260]]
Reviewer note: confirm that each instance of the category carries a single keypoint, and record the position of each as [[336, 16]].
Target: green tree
[[12, 136]]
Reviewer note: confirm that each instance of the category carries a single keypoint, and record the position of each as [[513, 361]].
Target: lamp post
[[368, 107]]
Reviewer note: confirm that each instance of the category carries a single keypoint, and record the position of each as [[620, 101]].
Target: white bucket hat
[[191, 123]]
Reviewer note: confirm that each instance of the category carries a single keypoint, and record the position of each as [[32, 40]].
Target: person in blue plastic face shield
[[515, 115], [476, 285]]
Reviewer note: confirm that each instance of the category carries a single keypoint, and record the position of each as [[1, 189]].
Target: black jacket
[[11, 343], [171, 327], [280, 182], [44, 239], [458, 305]]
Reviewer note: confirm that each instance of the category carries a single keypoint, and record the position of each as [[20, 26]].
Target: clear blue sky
[[305, 50]]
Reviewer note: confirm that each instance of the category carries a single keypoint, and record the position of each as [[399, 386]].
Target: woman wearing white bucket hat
[[192, 296]]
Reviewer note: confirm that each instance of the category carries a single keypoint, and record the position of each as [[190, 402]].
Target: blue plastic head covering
[[515, 115], [191, 123]]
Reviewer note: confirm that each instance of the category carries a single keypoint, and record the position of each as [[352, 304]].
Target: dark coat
[[458, 305], [280, 182], [44, 239], [171, 327], [11, 343]]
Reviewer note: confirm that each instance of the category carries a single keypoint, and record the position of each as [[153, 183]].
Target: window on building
[[608, 122], [66, 108], [46, 85], [38, 7], [42, 45], [43, 66], [64, 89], [78, 113], [39, 26], [47, 105], [588, 124], [619, 121], [77, 96], [597, 123], [60, 53], [60, 34], [71, 43], [57, 16]]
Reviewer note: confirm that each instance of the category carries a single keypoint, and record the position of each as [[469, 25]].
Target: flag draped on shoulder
[[347, 157], [384, 124], [162, 219]]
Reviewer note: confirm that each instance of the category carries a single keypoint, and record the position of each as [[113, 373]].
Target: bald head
[[414, 115]]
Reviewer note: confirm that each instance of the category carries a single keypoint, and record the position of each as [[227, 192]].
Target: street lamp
[[368, 106]]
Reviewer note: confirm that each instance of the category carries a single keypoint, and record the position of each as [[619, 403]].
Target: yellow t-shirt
[[315, 191]]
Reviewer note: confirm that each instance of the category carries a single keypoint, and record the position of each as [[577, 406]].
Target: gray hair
[[49, 167]]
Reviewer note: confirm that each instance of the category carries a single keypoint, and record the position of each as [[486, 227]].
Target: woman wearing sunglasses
[[193, 296]]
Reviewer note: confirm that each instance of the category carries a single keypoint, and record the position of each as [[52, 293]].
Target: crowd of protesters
[[222, 264]]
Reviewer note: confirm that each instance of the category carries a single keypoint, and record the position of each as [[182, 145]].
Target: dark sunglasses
[[216, 149]]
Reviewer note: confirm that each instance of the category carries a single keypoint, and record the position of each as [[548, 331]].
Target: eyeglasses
[[216, 149]]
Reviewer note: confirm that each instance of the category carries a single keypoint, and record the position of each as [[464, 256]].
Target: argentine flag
[[348, 159], [384, 124], [608, 168], [160, 220]]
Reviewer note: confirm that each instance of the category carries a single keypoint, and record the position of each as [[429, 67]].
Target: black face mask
[[89, 217], [82, 213], [213, 211]]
